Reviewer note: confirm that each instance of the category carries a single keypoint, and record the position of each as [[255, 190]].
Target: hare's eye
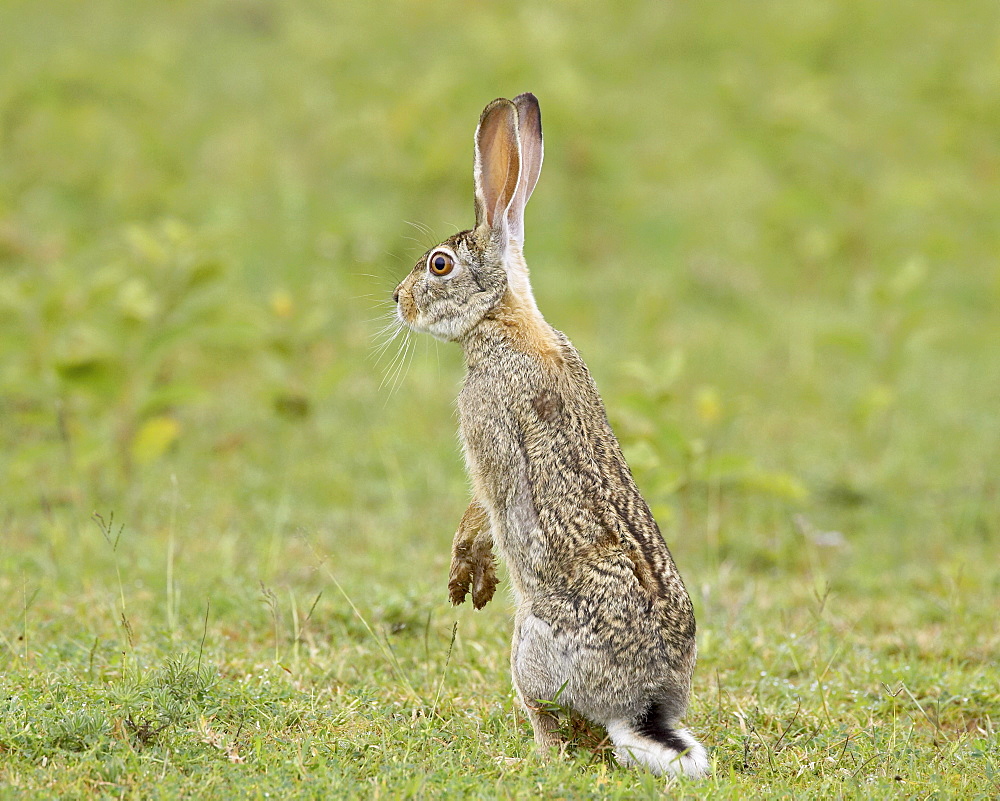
[[440, 263]]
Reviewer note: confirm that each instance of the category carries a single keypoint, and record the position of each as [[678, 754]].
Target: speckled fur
[[603, 622]]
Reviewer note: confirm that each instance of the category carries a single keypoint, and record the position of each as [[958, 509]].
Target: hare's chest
[[498, 468], [512, 438], [491, 445]]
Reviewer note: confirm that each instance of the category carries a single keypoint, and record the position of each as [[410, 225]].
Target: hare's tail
[[658, 746]]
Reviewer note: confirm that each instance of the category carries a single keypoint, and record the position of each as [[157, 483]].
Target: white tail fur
[[681, 755]]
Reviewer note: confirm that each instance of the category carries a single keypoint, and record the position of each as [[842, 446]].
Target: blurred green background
[[770, 228]]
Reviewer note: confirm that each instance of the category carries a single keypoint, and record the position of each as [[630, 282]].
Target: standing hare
[[603, 623]]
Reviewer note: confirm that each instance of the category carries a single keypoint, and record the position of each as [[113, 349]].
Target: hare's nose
[[395, 295]]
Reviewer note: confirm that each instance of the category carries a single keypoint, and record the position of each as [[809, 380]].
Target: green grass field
[[770, 228]]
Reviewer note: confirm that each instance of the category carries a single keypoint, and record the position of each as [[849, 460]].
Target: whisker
[[394, 365], [391, 325], [391, 332], [389, 380], [422, 227], [381, 299], [381, 315], [403, 368], [387, 334], [386, 372]]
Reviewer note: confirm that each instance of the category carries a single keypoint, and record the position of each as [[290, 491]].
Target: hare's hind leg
[[539, 674], [545, 725]]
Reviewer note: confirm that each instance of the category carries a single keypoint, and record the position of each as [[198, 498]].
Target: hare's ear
[[497, 169], [529, 129]]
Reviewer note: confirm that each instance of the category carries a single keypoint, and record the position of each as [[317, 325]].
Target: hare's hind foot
[[545, 725]]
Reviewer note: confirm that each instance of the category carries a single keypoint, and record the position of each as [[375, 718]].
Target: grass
[[770, 230]]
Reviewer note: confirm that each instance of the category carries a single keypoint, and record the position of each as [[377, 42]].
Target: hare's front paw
[[472, 568]]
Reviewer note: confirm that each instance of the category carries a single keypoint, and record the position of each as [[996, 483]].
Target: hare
[[603, 625]]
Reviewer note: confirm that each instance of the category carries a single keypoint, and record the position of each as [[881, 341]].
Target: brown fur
[[525, 329], [603, 621], [472, 565]]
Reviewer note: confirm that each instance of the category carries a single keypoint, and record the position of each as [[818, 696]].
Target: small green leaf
[[154, 437]]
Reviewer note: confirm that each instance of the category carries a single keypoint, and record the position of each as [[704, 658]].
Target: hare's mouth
[[410, 316], [407, 311], [445, 329]]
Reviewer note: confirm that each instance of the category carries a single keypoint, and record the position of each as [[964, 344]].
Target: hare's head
[[456, 284]]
